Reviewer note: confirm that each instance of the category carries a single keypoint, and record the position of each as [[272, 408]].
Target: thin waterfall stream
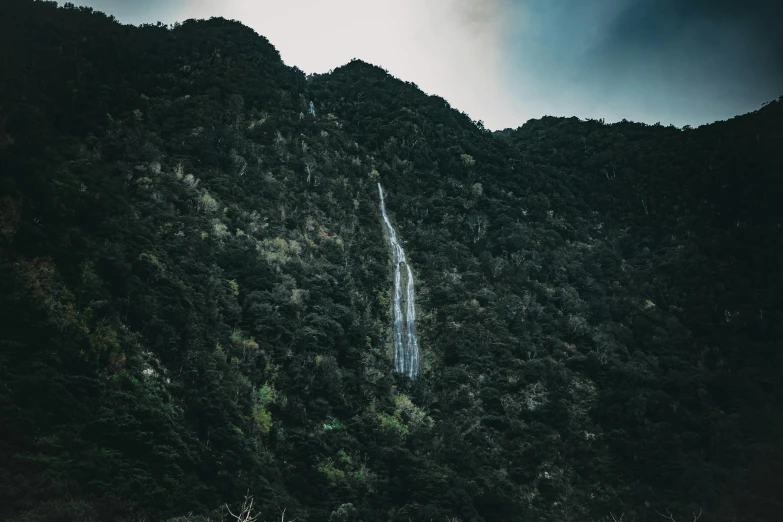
[[406, 342]]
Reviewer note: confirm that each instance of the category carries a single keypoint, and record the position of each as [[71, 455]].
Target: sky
[[680, 62]]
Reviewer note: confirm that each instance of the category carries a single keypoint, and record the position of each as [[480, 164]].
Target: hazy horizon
[[680, 62]]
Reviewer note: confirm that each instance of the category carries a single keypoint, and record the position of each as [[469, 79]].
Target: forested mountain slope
[[195, 288]]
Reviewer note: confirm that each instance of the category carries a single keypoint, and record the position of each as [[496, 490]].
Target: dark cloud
[[704, 57], [697, 30], [652, 21], [686, 62]]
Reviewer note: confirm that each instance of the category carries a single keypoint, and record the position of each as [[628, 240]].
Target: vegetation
[[194, 294]]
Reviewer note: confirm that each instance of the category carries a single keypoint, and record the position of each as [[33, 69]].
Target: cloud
[[685, 61], [698, 33], [453, 48]]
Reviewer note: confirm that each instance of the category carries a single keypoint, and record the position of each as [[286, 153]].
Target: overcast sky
[[685, 62]]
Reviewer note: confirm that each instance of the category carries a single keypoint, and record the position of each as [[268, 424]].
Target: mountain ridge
[[196, 293]]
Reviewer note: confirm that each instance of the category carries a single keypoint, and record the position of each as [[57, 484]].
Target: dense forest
[[195, 289]]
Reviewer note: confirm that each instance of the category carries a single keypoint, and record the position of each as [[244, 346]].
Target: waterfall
[[312, 108], [406, 342]]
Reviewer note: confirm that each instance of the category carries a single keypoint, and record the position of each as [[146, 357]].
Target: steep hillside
[[196, 291]]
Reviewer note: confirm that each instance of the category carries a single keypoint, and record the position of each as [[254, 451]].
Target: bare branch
[[667, 516], [246, 511]]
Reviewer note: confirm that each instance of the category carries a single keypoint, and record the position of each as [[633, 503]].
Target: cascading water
[[312, 108], [406, 342]]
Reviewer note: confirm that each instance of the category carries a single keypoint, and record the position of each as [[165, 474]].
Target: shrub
[[467, 160], [207, 203], [332, 474], [393, 423], [262, 419]]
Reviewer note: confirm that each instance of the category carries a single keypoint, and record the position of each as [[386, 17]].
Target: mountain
[[197, 289]]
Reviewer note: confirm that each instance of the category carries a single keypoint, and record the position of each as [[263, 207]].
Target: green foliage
[[334, 424], [393, 423], [467, 160], [104, 339], [266, 394], [343, 471], [344, 457], [332, 474], [207, 203], [416, 417], [262, 419]]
